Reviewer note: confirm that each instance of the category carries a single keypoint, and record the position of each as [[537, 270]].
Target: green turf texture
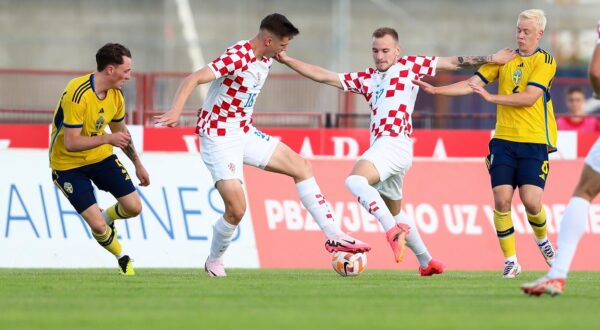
[[288, 299]]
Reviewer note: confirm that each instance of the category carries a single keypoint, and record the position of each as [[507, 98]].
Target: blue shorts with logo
[[517, 163], [108, 175]]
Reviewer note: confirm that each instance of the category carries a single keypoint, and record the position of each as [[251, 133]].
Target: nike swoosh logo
[[350, 242], [346, 263]]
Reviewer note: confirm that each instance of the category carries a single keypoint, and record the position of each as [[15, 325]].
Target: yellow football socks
[[117, 212], [109, 241], [505, 231], [538, 223]]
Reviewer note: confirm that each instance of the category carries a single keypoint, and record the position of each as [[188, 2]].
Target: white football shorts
[[593, 157], [392, 157], [224, 156]]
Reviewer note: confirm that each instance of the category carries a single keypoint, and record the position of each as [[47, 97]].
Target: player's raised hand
[[169, 119], [119, 139], [142, 175], [428, 88], [503, 56], [480, 90]]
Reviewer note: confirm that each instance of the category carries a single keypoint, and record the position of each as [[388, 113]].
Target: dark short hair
[[575, 89], [279, 25], [111, 54], [383, 31]]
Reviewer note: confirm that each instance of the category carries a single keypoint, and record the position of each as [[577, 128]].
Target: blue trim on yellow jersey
[[552, 148], [546, 91], [538, 85], [73, 125], [92, 82], [482, 77], [118, 120], [58, 123]]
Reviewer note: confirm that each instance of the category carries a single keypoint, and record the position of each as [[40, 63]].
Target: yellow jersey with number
[[534, 124], [80, 107]]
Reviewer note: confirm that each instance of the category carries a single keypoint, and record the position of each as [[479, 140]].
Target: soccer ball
[[348, 264]]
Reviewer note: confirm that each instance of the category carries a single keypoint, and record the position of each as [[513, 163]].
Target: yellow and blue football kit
[[524, 135], [73, 171], [523, 138]]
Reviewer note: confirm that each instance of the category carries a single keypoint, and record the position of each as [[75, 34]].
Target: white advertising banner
[[39, 228]]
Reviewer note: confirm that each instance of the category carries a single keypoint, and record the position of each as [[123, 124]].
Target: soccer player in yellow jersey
[[81, 152], [574, 221], [525, 133]]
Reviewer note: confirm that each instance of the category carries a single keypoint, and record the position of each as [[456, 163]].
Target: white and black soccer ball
[[348, 264]]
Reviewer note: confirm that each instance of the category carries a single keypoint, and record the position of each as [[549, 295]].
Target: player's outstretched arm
[[129, 151], [310, 71], [526, 98], [457, 89], [501, 57], [185, 89]]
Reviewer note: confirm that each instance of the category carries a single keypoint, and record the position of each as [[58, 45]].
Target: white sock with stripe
[[370, 199], [315, 203]]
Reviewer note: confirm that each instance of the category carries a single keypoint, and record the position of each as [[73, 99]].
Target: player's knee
[[98, 227], [502, 205], [133, 209], [235, 214], [304, 169], [354, 182], [532, 203], [586, 190]]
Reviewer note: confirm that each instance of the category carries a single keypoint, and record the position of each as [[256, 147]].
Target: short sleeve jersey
[[534, 124], [227, 110], [80, 107], [391, 94]]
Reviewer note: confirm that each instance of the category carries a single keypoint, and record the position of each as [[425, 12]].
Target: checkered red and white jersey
[[391, 95], [229, 103]]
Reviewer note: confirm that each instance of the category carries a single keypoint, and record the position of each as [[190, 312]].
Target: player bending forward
[[377, 178], [228, 139], [81, 152]]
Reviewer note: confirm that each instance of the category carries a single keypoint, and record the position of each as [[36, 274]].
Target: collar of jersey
[[535, 51]]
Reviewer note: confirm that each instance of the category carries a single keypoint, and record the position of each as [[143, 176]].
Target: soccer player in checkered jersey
[[575, 217], [525, 134], [377, 178], [228, 140]]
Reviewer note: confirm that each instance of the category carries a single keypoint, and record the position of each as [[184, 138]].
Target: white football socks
[[572, 228], [414, 240], [314, 201], [370, 199], [222, 234]]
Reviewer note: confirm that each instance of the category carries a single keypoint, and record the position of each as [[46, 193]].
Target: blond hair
[[536, 15]]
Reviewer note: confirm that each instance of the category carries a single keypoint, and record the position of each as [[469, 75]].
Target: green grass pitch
[[288, 299]]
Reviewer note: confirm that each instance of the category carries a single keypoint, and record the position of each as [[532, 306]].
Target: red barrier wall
[[450, 200]]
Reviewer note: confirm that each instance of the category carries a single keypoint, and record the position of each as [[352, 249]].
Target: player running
[[525, 133], [377, 178], [575, 217], [228, 139], [81, 152]]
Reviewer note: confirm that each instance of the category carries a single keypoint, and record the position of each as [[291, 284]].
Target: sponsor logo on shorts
[[68, 187], [231, 167]]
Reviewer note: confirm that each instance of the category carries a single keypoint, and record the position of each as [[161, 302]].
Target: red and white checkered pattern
[[391, 95], [229, 103]]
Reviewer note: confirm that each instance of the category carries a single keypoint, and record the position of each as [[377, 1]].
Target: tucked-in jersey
[[535, 124], [80, 107], [229, 103], [391, 94]]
